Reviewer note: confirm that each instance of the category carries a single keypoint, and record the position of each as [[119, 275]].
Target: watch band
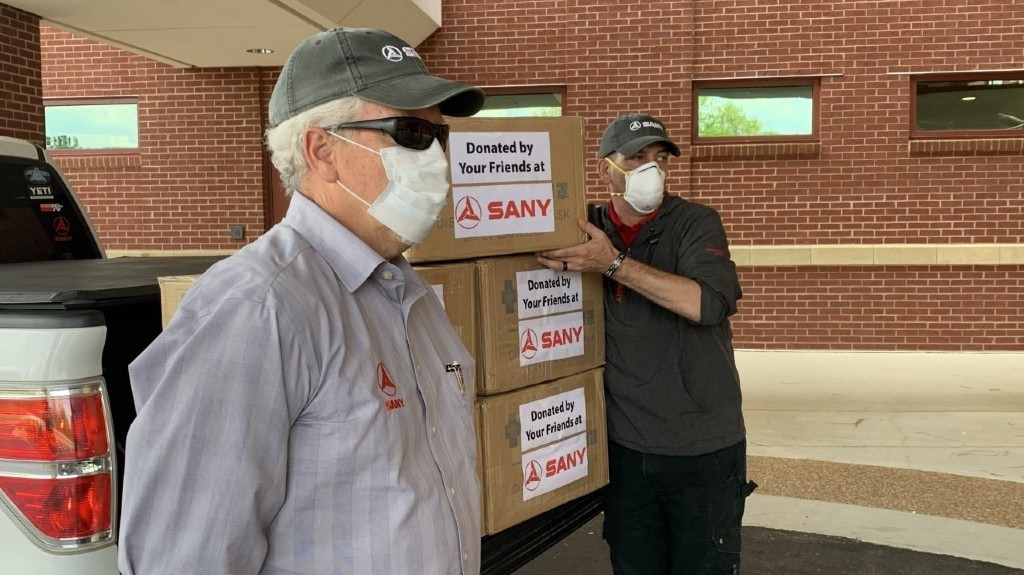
[[615, 264]]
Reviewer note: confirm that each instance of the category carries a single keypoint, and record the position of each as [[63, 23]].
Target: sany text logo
[[565, 462], [548, 338], [555, 465], [500, 210], [469, 213], [528, 340]]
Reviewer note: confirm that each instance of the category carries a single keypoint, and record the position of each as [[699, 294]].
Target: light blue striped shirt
[[297, 416]]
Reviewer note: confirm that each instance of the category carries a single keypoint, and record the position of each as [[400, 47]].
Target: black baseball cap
[[630, 133], [369, 63]]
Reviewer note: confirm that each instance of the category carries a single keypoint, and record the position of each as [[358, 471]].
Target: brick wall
[[21, 91], [866, 184], [863, 184], [921, 308], [199, 166]]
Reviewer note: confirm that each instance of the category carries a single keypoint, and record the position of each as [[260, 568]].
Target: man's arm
[[705, 257], [206, 461]]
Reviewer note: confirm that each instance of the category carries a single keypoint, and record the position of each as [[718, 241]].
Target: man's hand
[[594, 256], [675, 293]]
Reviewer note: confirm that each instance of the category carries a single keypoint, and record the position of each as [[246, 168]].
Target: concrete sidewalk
[[916, 451]]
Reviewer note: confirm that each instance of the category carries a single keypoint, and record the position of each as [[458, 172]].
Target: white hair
[[284, 141]]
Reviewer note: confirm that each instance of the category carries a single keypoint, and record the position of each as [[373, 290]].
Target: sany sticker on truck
[[554, 466], [550, 337]]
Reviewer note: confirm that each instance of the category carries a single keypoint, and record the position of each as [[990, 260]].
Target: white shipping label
[[552, 418], [439, 290], [554, 466], [502, 210], [496, 157], [550, 337], [547, 292]]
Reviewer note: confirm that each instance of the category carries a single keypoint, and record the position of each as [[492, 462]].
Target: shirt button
[[453, 491], [465, 556], [433, 430], [388, 275]]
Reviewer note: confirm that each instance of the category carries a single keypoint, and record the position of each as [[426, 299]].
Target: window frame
[[813, 81], [96, 101], [916, 134], [537, 89]]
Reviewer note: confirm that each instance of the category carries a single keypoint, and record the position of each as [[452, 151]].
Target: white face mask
[[416, 192], [645, 186]]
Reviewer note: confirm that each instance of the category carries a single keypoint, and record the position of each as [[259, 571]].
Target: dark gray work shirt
[[672, 387]]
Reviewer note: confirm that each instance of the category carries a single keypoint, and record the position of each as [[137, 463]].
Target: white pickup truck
[[71, 320]]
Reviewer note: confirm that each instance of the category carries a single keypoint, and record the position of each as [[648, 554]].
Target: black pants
[[675, 515]]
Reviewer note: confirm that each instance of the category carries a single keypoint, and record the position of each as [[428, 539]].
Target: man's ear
[[318, 148], [603, 171]]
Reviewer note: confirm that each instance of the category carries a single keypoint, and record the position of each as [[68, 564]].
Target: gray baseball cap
[[630, 133], [372, 64]]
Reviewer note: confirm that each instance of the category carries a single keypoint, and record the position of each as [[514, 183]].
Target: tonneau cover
[[73, 284]]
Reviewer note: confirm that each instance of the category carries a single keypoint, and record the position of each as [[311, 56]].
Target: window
[[968, 106], [776, 110], [514, 102], [101, 125]]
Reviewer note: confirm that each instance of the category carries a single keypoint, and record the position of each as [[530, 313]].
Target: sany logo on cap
[[395, 54], [636, 125]]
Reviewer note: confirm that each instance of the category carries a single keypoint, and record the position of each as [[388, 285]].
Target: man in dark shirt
[[677, 448]]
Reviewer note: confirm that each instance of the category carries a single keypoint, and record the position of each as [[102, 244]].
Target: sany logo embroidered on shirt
[[387, 387]]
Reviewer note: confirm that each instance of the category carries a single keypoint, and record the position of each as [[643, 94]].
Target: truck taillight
[[52, 428], [66, 508], [56, 467]]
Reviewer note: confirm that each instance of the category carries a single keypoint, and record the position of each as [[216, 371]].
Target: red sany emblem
[[531, 477], [716, 251], [61, 225], [387, 387], [468, 210], [528, 344]]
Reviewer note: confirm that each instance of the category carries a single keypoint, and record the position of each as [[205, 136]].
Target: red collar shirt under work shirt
[[297, 417]]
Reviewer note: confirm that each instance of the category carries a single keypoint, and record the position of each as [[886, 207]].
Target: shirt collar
[[349, 257], [620, 225]]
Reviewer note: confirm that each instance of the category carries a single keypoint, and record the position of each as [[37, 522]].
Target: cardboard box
[[455, 285], [543, 445], [535, 324], [518, 186], [172, 289]]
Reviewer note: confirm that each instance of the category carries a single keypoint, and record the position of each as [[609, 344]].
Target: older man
[[305, 411]]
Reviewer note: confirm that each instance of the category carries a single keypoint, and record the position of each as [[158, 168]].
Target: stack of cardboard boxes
[[537, 335]]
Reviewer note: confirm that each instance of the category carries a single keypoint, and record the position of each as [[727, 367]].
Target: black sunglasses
[[407, 131]]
